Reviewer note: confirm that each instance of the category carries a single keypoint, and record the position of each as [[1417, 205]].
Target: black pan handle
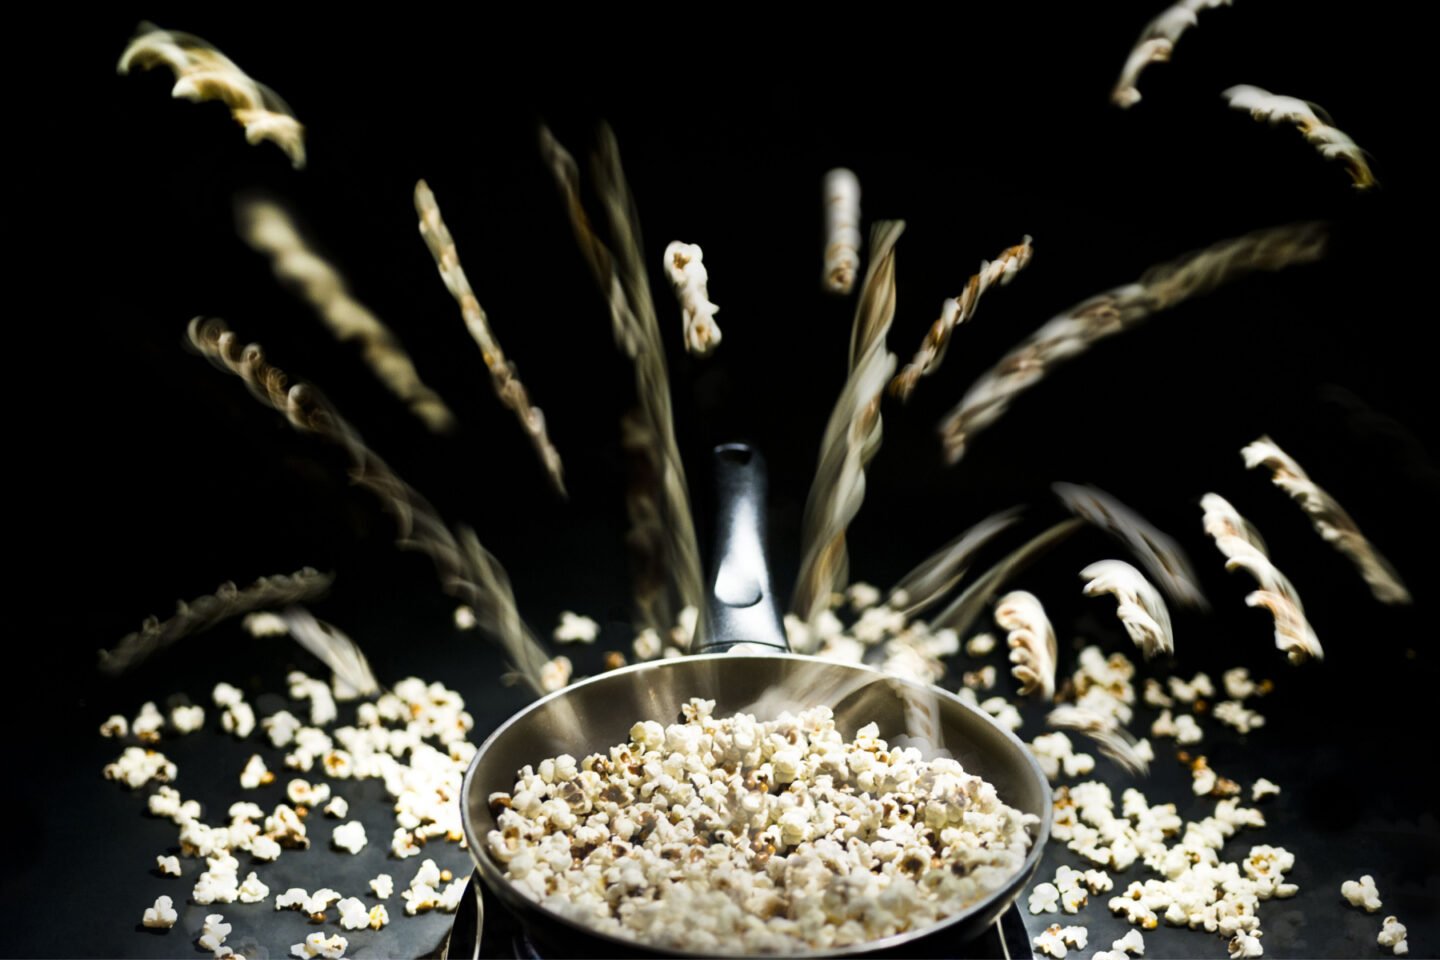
[[741, 606]]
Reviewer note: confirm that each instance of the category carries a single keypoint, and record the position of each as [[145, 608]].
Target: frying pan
[[743, 663]]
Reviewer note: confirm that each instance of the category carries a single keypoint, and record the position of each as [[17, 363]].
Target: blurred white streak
[[1159, 553], [1033, 649], [1113, 740], [958, 310], [1157, 41], [503, 375], [1141, 608], [267, 227], [204, 73], [852, 437], [685, 266], [1312, 123], [923, 586], [1329, 519], [466, 572], [1073, 333], [1243, 548], [961, 612], [332, 648], [625, 283], [205, 612], [842, 231]]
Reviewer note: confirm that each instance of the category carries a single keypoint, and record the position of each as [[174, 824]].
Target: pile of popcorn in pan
[[413, 739]]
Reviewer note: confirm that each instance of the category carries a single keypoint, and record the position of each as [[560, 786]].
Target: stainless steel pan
[[743, 663]]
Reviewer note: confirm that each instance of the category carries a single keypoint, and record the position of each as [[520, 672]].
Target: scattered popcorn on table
[[808, 798], [980, 644], [1054, 941], [1183, 728], [187, 719], [213, 935], [322, 701], [575, 628], [1263, 788], [1362, 893], [1235, 714], [349, 836], [1246, 945], [353, 915], [383, 886], [319, 945], [379, 916], [281, 728], [1132, 943], [265, 849], [1199, 686], [318, 902], [1392, 935], [1207, 783], [115, 726], [292, 899], [169, 866], [252, 890], [338, 807], [403, 845], [302, 792], [1045, 898], [147, 723], [464, 618], [138, 766], [162, 916], [239, 719], [220, 882], [255, 774], [555, 674]]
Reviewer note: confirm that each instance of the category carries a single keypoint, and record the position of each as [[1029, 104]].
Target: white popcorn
[[1132, 943], [1098, 881], [403, 845], [239, 719], [1362, 893], [264, 624], [685, 266], [575, 628], [1238, 684], [1155, 695], [1045, 898], [1263, 788], [265, 849], [1199, 686], [319, 945], [353, 915], [338, 807], [980, 644], [555, 674], [303, 792], [862, 595], [1392, 935], [322, 701], [169, 866], [1073, 899], [982, 679], [225, 695], [379, 916], [349, 836], [213, 935], [162, 916], [383, 886], [292, 899], [318, 902], [147, 723], [281, 728], [115, 726], [464, 618], [252, 890], [1233, 713], [137, 766], [187, 719], [255, 774], [1054, 940], [646, 645], [1246, 945]]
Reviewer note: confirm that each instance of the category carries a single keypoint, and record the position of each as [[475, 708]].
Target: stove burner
[[502, 936]]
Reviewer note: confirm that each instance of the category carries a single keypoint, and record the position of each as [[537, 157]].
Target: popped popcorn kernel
[[349, 836], [1392, 935], [169, 866], [383, 886], [161, 916], [1362, 893]]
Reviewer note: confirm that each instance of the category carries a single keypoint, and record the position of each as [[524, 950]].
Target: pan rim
[[492, 876]]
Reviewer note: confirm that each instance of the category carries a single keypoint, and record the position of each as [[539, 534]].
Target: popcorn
[[349, 836], [252, 890], [1183, 728], [322, 702], [264, 624], [318, 902], [169, 866], [1199, 686], [1055, 939], [219, 883], [255, 774], [403, 845], [115, 726], [379, 916], [187, 719], [138, 766], [555, 674], [265, 849], [162, 916], [292, 899], [338, 807], [646, 646], [464, 618], [1263, 788], [147, 724], [1132, 943], [213, 935], [862, 595], [982, 679], [383, 886], [1233, 713], [1044, 898], [980, 644], [281, 728], [353, 915], [225, 695], [239, 719], [1246, 945], [319, 945], [1392, 935], [574, 628], [301, 792], [1362, 894], [1238, 684]]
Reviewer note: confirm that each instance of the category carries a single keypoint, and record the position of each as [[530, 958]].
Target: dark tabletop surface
[[150, 477]]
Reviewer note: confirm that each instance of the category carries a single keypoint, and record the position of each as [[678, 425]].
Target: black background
[[153, 477]]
